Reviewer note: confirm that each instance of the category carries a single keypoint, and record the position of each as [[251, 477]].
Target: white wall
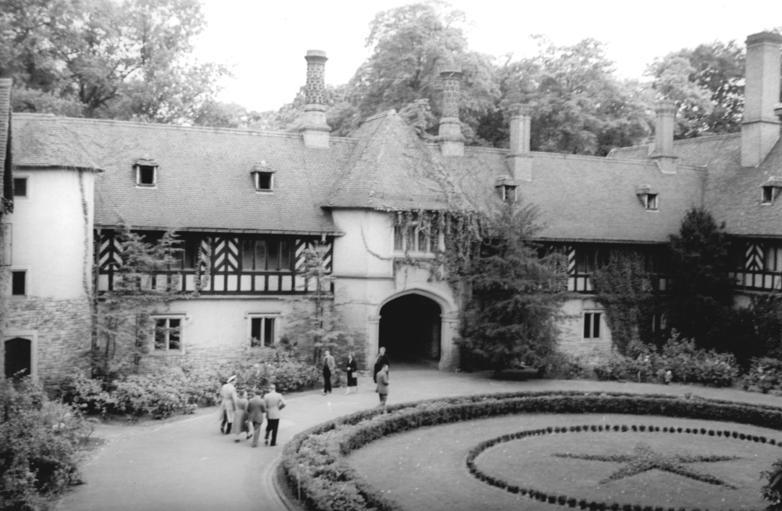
[[49, 237]]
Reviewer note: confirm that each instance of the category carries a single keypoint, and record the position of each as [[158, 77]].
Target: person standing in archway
[[380, 361], [329, 368]]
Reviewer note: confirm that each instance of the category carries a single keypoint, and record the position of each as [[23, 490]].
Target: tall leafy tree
[[577, 104], [701, 292], [101, 58], [707, 84], [515, 293]]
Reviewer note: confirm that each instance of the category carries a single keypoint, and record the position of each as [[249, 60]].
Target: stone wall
[[59, 330], [571, 331]]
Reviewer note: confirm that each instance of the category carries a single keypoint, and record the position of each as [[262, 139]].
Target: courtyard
[[185, 463]]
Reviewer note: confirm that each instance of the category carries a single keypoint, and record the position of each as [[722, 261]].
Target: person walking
[[274, 403], [255, 410], [382, 385], [350, 371], [380, 361], [240, 417], [329, 368], [227, 405]]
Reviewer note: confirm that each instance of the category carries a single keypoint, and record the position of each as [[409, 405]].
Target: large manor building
[[247, 205]]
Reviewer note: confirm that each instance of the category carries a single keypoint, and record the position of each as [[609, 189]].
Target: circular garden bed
[[567, 450]]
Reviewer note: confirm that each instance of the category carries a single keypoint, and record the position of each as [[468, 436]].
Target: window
[[659, 322], [507, 193], [266, 255], [20, 187], [261, 331], [421, 236], [146, 172], [263, 177], [264, 181], [650, 201], [168, 334], [18, 282], [772, 258], [589, 259], [591, 325], [769, 193]]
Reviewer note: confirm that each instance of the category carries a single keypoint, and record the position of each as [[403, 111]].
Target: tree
[[515, 293], [707, 84], [122, 321], [102, 58], [576, 103], [701, 294]]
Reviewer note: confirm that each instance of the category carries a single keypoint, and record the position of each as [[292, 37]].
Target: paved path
[[186, 464]]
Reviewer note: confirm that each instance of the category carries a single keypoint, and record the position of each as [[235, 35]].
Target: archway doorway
[[410, 329], [18, 357]]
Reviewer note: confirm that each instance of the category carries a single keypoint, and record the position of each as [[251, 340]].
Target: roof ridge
[[166, 126]]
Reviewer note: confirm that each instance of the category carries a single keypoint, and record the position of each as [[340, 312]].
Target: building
[[248, 204]]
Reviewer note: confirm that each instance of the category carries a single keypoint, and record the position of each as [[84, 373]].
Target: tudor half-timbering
[[247, 204]]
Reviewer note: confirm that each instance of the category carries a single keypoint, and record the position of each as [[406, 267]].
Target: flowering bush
[[38, 444], [764, 375], [685, 362]]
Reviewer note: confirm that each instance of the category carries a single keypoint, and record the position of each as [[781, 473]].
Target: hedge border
[[314, 460], [570, 501]]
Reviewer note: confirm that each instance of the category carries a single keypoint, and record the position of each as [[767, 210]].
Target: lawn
[[426, 468]]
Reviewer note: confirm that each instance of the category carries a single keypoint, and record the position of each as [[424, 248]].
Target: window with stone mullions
[[261, 331], [168, 334], [591, 325], [418, 236]]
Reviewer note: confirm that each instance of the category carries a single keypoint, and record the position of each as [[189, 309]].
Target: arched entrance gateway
[[411, 329]]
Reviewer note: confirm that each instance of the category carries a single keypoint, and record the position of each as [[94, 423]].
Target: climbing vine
[[624, 289]]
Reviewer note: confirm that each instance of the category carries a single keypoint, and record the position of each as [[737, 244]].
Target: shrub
[[82, 392], [38, 445], [764, 375], [686, 362]]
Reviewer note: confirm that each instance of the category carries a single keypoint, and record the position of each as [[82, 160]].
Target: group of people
[[245, 415], [379, 374]]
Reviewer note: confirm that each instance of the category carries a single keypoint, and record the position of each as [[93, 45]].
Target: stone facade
[[59, 330]]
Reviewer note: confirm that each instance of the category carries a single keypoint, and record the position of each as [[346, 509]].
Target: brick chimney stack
[[760, 127], [450, 130], [519, 158], [315, 130], [663, 136]]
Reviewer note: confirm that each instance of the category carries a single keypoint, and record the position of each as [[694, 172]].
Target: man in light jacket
[[274, 403], [255, 410], [227, 405]]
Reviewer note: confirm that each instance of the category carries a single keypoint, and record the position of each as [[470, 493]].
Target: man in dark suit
[[380, 361], [274, 403], [256, 407]]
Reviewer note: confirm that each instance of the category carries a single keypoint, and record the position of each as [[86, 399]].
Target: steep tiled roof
[[732, 193], [204, 179], [391, 168], [591, 198]]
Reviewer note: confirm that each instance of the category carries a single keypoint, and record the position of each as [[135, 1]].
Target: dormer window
[[146, 172], [770, 190], [263, 177], [648, 198], [506, 189]]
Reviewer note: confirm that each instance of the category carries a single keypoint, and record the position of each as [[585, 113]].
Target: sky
[[263, 42]]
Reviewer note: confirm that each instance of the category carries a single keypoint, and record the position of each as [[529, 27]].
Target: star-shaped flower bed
[[644, 458]]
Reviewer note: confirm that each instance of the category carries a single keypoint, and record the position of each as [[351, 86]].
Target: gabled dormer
[[263, 177], [648, 197], [146, 170], [770, 190]]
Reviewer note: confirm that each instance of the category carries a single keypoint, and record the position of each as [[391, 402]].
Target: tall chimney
[[760, 127], [6, 179], [315, 130], [450, 130], [519, 158], [663, 136]]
